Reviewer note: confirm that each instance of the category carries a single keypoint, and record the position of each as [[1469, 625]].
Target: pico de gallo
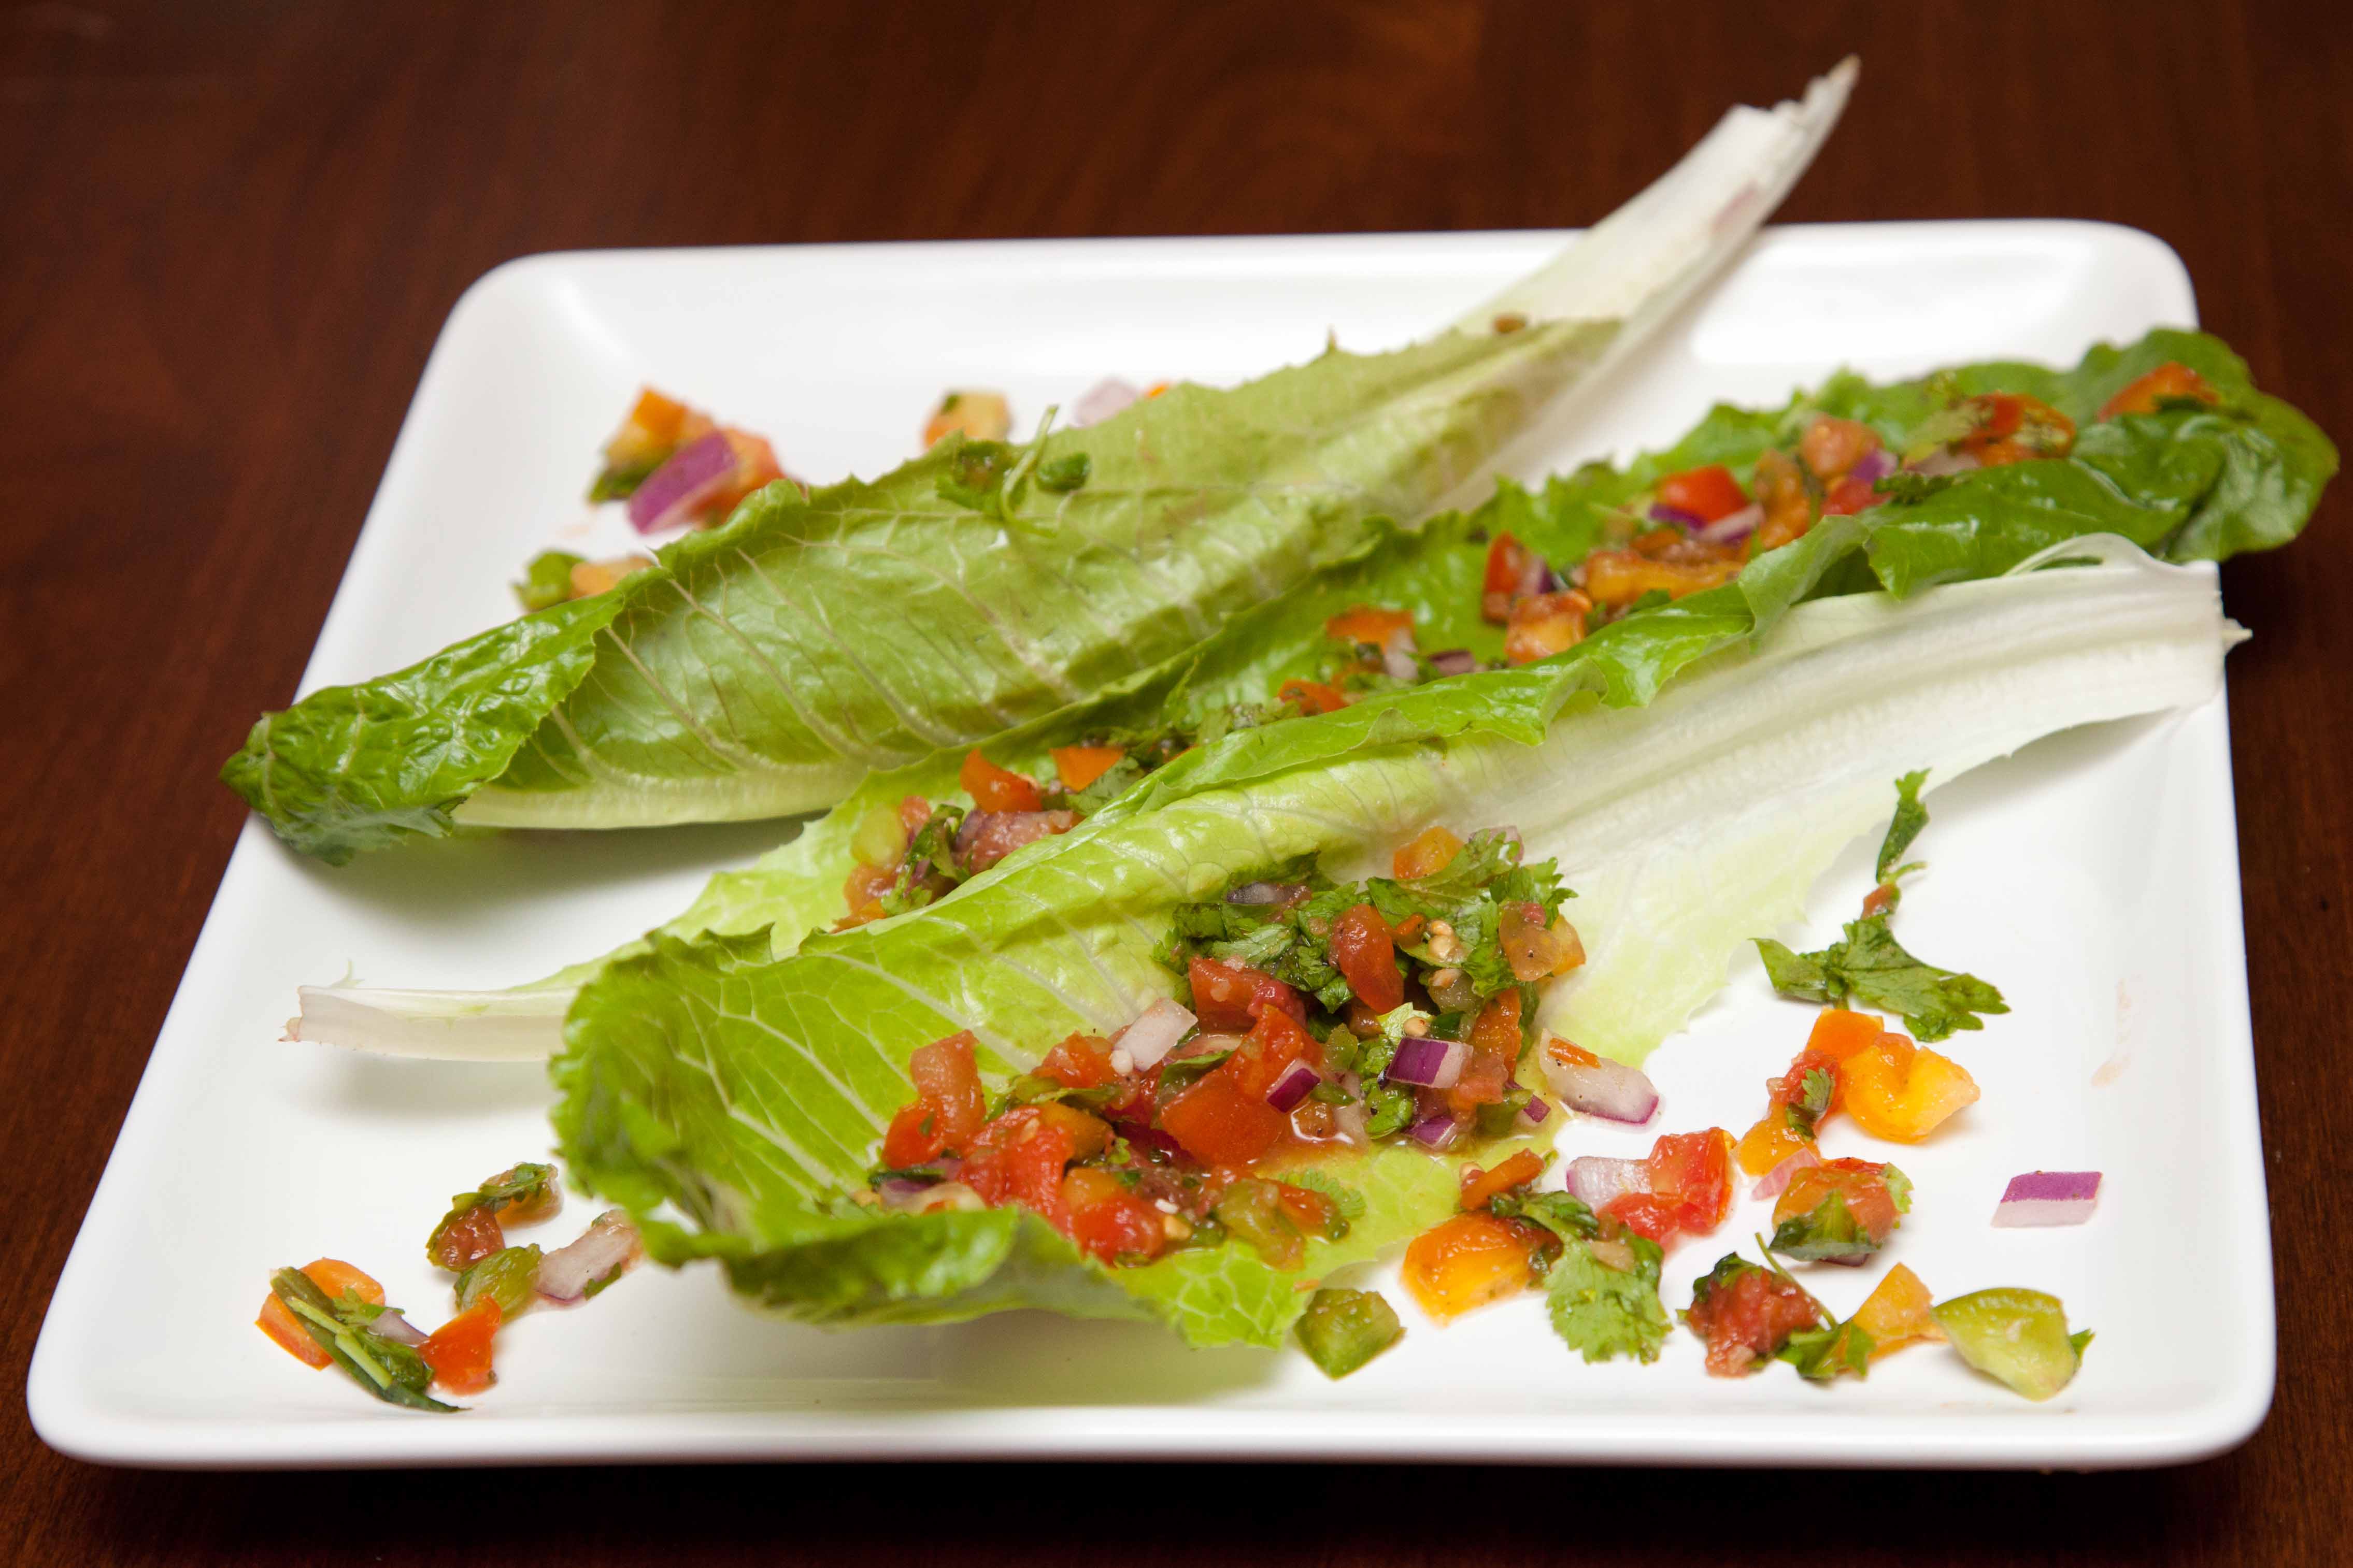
[[1311, 1017], [330, 1313]]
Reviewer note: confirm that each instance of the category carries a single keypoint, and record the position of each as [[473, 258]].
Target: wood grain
[[232, 231]]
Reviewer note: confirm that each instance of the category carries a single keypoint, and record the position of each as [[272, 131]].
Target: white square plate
[[2093, 877]]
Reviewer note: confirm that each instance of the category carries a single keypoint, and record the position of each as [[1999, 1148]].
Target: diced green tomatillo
[[506, 1276], [1343, 1329], [2017, 1335], [1252, 1210]]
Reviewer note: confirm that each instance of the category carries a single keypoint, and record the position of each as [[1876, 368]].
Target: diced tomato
[[1079, 767], [1369, 623], [1879, 900], [914, 812], [1430, 853], [1021, 1156], [2170, 380], [947, 1109], [1619, 577], [1830, 446], [1363, 951], [458, 1351], [1849, 496], [1770, 1142], [1480, 1187], [1535, 949], [1903, 1093], [1229, 998], [334, 1277], [756, 466], [1791, 1089], [1749, 1317], [1789, 507], [993, 788], [1542, 624], [1218, 1123], [863, 892], [467, 1240], [1644, 1215], [1080, 1061], [1839, 1033], [1897, 1313], [1496, 1030], [1469, 1260], [1707, 493], [1275, 1041], [1109, 1219], [1311, 697], [2013, 427], [1311, 1212], [1513, 570], [1862, 1183], [1691, 1173]]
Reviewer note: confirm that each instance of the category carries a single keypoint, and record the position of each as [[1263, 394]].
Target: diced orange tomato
[[949, 1107], [1229, 998], [975, 415], [1788, 508], [2014, 429], [1897, 1313], [1745, 1322], [1366, 955], [1770, 1142], [1496, 1029], [334, 1277], [1619, 577], [458, 1351], [1429, 852], [1079, 767], [1839, 1033], [1481, 1187], [467, 1240], [1849, 496], [1469, 1260], [1109, 1220], [1218, 1124], [1369, 624], [1510, 565], [862, 893], [1862, 1183], [1903, 1093], [1311, 697], [2170, 380], [993, 788], [1707, 493], [1832, 446], [1080, 1061], [651, 431], [1542, 624], [1534, 949], [756, 466]]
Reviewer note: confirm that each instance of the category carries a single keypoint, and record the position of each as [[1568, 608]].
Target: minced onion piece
[[1434, 1132], [1154, 1034], [1428, 1061], [690, 475], [1596, 1180], [1941, 462], [1297, 1080], [397, 1329], [1662, 512], [1454, 661], [1101, 401], [1265, 893], [1733, 526], [1773, 1183], [1603, 1087], [1872, 465], [2048, 1197], [1535, 1110], [609, 1246], [1399, 663]]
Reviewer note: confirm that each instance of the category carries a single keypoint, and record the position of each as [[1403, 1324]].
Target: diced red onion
[[1777, 1181], [1945, 461], [1101, 401], [609, 1246], [1454, 661], [1428, 1061], [1154, 1034], [2048, 1197], [397, 1329], [1536, 574], [1535, 1110], [1662, 512], [1435, 1132], [672, 491], [1608, 1089], [1596, 1180], [1263, 893], [1297, 1080], [899, 1194], [1873, 466], [1733, 526], [1400, 664]]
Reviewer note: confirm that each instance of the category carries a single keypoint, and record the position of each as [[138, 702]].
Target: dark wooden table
[[231, 231]]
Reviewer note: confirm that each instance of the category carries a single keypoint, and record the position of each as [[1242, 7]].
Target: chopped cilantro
[[1603, 1312]]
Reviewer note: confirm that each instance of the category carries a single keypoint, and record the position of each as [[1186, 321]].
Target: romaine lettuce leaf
[[745, 1092]]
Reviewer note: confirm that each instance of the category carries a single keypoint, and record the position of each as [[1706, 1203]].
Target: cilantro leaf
[[1822, 1355], [1601, 1312], [1563, 1214], [1910, 817]]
